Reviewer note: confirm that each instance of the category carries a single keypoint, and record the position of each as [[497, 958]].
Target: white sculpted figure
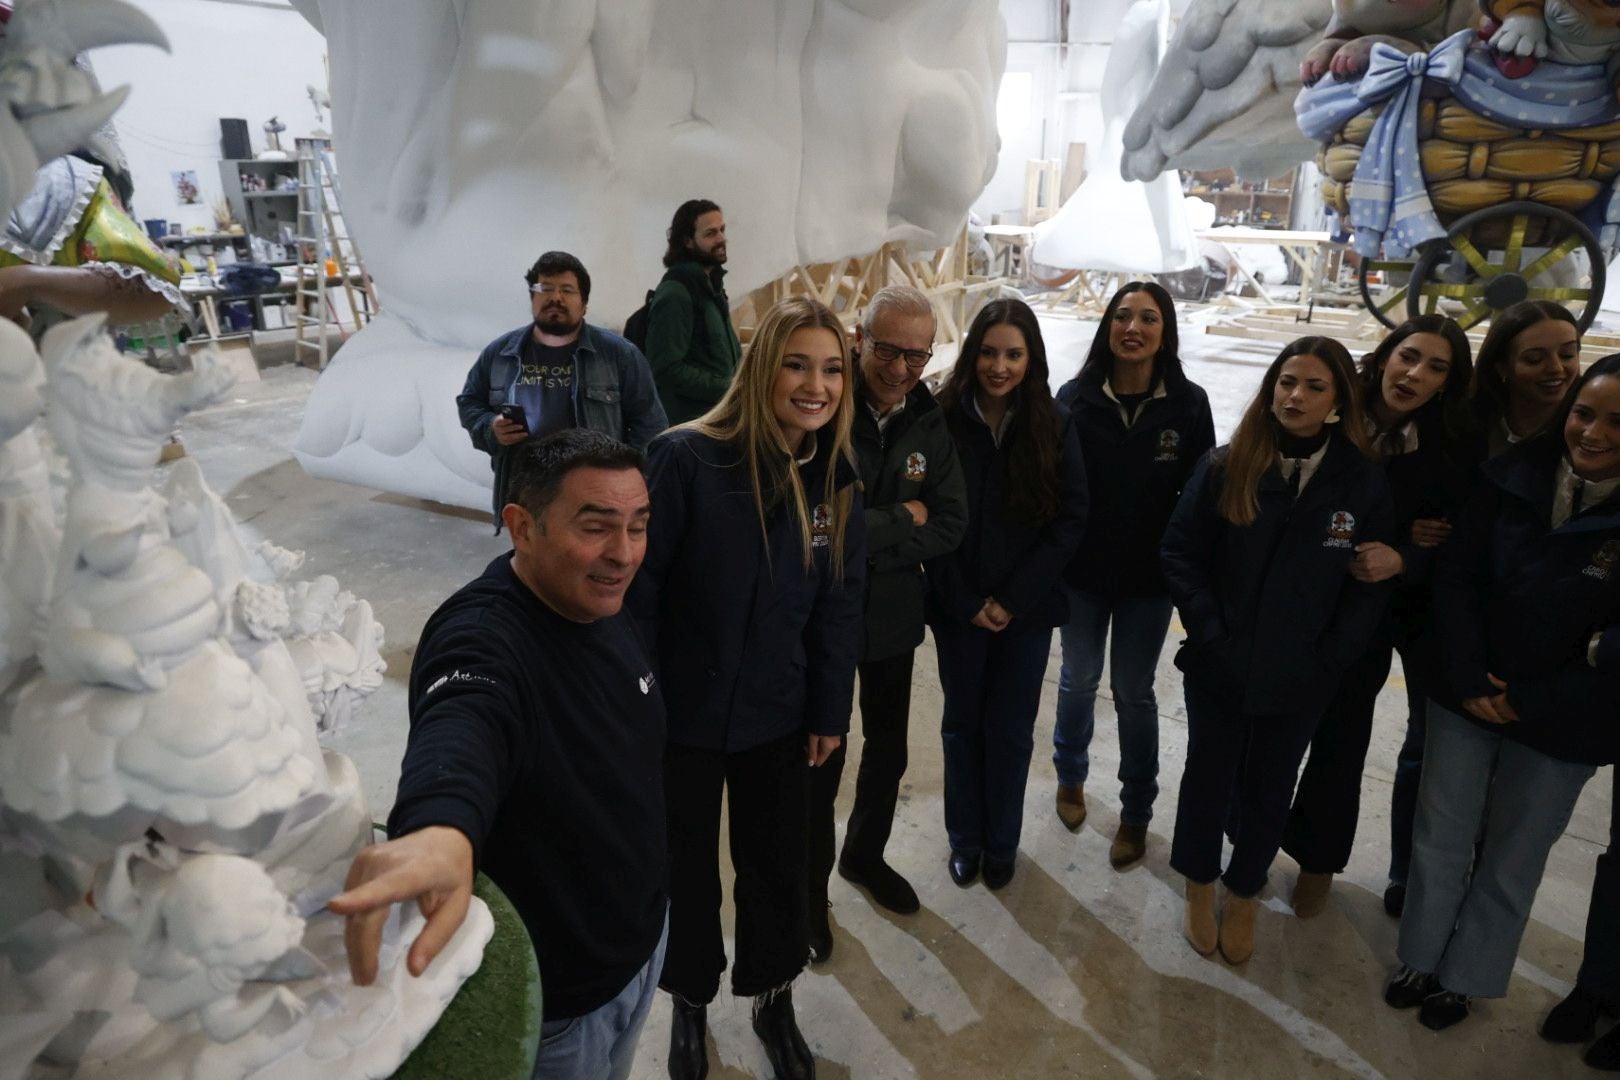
[[476, 134], [163, 759], [196, 955], [28, 532], [1106, 223]]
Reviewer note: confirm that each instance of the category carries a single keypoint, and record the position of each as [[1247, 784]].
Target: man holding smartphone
[[557, 372]]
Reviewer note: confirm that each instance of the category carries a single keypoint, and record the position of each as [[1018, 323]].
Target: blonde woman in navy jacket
[[752, 591], [1527, 599], [1257, 558]]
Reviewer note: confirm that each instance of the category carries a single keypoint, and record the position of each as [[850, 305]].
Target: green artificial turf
[[491, 1030]]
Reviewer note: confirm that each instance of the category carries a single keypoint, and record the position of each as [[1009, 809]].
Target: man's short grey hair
[[903, 300]]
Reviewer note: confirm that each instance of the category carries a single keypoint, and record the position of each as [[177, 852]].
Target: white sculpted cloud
[[474, 134]]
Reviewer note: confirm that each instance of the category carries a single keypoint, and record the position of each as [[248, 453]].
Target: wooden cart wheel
[[1459, 269], [1397, 277]]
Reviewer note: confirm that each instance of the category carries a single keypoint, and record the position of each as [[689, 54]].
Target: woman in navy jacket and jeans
[[1527, 596], [1143, 427], [752, 590], [994, 601], [1257, 558]]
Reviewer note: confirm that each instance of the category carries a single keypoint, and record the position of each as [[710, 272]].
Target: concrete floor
[[1072, 970]]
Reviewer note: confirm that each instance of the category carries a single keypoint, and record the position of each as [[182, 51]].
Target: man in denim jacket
[[557, 372]]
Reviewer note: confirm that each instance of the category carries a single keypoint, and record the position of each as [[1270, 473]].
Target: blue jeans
[[1140, 624], [992, 685], [601, 1044], [1463, 921]]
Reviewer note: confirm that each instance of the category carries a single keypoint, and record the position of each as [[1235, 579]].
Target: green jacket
[[692, 365], [913, 458]]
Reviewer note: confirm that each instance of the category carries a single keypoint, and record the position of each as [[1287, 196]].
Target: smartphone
[[515, 414]]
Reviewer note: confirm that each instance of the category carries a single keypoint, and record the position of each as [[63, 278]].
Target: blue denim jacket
[[613, 394]]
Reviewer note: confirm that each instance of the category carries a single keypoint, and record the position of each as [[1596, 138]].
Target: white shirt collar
[[1307, 466], [998, 433], [1593, 492]]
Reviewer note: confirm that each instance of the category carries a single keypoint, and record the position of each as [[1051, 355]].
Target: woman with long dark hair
[[1257, 559], [1527, 599], [752, 590], [994, 601], [1525, 366], [1414, 388], [1143, 426]]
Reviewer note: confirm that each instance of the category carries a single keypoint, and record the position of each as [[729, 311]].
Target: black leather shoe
[[1605, 1053], [1573, 1020], [1394, 900], [688, 1041], [778, 1029], [1409, 988], [886, 887], [820, 936], [1443, 1009], [964, 868], [996, 872]]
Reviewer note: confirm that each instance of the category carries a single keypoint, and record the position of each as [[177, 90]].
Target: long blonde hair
[[1253, 449], [745, 417]]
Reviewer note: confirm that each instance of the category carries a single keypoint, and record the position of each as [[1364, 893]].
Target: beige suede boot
[[1200, 928], [1237, 928]]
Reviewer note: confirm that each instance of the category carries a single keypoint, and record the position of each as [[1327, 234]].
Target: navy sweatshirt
[[542, 740], [1520, 600], [1134, 474], [1273, 616]]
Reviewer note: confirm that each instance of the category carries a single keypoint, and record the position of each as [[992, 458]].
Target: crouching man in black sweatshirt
[[536, 754]]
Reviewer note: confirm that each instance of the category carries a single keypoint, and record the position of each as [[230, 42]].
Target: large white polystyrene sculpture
[[170, 827], [1224, 97], [475, 134], [1107, 223]]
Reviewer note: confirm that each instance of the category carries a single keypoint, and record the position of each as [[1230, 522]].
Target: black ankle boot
[[1573, 1020], [688, 1041], [778, 1029]]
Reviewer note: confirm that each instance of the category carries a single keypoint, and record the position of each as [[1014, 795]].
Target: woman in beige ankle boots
[[1257, 559]]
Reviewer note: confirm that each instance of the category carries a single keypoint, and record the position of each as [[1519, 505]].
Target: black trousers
[[1240, 770], [765, 786], [1322, 824], [885, 696], [1600, 969]]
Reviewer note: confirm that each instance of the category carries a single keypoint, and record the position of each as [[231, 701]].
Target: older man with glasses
[[557, 372], [916, 508]]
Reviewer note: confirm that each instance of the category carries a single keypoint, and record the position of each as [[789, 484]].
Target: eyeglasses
[[916, 359], [554, 290]]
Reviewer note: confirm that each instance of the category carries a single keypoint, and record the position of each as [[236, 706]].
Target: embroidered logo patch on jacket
[[1169, 445], [916, 467], [820, 525], [1604, 560], [1341, 529]]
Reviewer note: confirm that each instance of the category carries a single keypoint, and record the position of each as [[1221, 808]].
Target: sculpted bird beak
[[62, 131], [70, 27]]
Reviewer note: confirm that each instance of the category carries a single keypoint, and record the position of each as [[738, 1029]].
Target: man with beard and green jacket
[[916, 509], [691, 343]]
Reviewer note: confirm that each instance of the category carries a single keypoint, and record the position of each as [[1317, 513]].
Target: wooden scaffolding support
[[846, 285]]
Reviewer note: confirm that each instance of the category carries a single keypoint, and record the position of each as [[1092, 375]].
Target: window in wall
[[1013, 103]]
